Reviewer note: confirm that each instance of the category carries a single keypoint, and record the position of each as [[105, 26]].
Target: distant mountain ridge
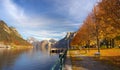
[[47, 44], [63, 43], [10, 36], [44, 44], [33, 41]]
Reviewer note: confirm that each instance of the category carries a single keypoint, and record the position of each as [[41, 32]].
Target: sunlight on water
[[26, 60]]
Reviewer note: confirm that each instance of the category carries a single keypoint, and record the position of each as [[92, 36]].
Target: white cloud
[[24, 22], [43, 27], [76, 9], [43, 34], [20, 17]]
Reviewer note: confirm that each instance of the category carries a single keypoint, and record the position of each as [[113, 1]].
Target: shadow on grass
[[110, 60], [95, 63]]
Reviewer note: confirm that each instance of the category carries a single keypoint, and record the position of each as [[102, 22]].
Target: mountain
[[52, 41], [63, 43], [33, 41], [10, 37], [44, 45], [47, 44]]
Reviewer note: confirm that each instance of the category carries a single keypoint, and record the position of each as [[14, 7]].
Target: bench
[[97, 54]]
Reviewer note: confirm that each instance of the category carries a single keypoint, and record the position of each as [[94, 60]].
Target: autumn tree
[[102, 24]]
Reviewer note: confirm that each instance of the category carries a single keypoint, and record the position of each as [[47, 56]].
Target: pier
[[57, 50]]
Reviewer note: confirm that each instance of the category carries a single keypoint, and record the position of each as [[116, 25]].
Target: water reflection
[[16, 59]]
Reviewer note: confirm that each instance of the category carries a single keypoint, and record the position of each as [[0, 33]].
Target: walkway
[[68, 64], [81, 62]]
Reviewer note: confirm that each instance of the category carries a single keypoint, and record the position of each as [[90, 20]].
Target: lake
[[32, 59]]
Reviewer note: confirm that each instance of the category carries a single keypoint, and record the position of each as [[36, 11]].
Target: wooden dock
[[57, 50]]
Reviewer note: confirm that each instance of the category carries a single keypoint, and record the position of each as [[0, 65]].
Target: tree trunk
[[112, 43]]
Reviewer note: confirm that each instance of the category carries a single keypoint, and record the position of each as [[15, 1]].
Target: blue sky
[[45, 19]]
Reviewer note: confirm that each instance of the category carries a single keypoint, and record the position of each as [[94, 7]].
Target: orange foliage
[[103, 22]]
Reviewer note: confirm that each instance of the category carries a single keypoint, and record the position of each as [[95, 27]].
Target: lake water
[[26, 60]]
